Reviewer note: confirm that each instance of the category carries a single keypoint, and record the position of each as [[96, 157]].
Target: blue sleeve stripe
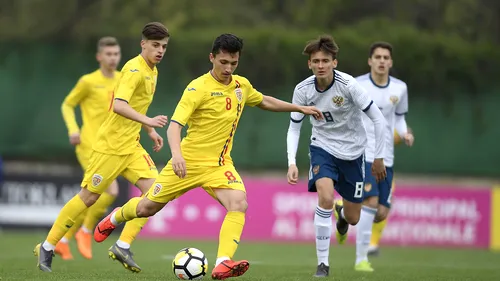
[[297, 121], [368, 107], [177, 122], [121, 100]]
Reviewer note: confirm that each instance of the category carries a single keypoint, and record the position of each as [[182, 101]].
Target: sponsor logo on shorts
[[233, 181], [368, 187], [96, 180], [157, 189], [316, 169]]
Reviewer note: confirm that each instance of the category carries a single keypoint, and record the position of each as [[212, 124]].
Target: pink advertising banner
[[421, 215]]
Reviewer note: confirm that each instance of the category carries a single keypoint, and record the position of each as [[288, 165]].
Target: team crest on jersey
[[338, 100], [394, 99], [157, 189], [96, 180], [368, 187], [316, 169], [239, 94]]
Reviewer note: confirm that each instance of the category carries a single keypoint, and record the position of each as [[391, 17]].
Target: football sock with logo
[[96, 211], [130, 232], [127, 212], [364, 232], [377, 230], [78, 222], [323, 226], [65, 220], [230, 234]]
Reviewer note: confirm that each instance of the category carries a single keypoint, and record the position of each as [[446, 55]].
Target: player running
[[93, 94], [337, 143], [391, 96], [117, 150], [211, 106]]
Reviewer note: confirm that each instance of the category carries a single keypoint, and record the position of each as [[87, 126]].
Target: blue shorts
[[348, 175], [381, 189]]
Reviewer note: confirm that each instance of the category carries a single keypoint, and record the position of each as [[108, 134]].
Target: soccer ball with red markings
[[190, 264]]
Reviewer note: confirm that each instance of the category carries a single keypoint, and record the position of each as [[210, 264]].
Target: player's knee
[[371, 202], [325, 201], [113, 189], [88, 197], [237, 205], [351, 218], [382, 214], [148, 208]]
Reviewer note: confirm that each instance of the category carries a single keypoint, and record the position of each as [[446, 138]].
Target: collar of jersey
[[216, 81], [145, 64], [327, 88], [378, 86]]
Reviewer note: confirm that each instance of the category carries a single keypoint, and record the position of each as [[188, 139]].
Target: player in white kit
[[337, 143], [391, 97]]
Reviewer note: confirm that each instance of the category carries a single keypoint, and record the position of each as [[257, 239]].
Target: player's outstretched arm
[[292, 144], [174, 141], [122, 108], [273, 104]]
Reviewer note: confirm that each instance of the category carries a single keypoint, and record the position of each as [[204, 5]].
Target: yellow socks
[[131, 230], [65, 220], [377, 230], [127, 212], [230, 234], [96, 211], [74, 229]]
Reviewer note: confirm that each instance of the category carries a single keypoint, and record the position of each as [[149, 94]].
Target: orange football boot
[[63, 250], [104, 228], [229, 268], [84, 243]]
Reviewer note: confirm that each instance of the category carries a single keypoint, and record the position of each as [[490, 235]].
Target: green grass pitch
[[277, 262]]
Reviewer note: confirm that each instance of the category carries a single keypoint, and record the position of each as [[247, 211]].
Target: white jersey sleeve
[[401, 110], [293, 134], [359, 95]]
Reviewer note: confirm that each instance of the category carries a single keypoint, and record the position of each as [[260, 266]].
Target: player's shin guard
[[130, 232], [364, 232], [323, 226], [377, 230], [96, 211], [78, 222], [65, 220], [230, 234], [127, 212]]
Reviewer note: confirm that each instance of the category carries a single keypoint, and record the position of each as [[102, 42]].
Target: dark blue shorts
[[348, 175], [382, 189]]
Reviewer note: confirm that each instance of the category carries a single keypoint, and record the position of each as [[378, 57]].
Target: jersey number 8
[[328, 116]]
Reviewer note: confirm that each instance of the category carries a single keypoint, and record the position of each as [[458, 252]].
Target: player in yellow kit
[[116, 150], [93, 94], [378, 227], [211, 106]]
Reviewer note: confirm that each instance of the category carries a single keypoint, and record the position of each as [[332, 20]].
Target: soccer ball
[[190, 264]]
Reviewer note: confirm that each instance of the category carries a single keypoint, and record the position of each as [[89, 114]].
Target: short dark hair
[[227, 43], [323, 43], [155, 31], [380, 44], [106, 42]]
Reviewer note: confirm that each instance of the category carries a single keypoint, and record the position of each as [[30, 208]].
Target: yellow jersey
[[92, 93], [212, 111], [119, 135]]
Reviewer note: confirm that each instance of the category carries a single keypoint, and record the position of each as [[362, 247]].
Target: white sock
[[84, 229], [221, 259], [113, 219], [64, 240], [48, 247], [122, 244], [323, 225], [364, 233]]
